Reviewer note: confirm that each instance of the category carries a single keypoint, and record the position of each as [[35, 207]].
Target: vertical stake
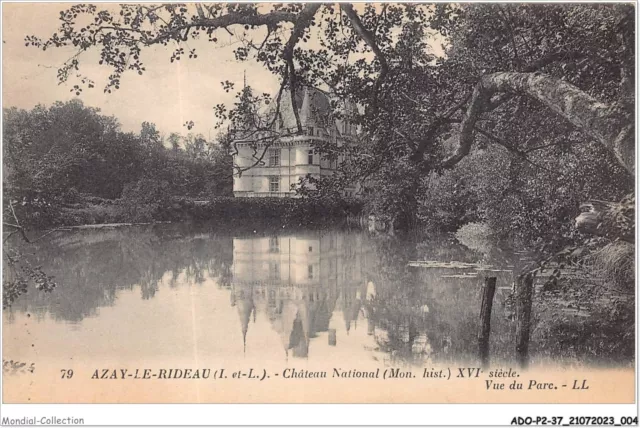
[[488, 291]]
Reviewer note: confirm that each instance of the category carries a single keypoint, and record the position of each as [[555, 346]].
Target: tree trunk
[[391, 228], [604, 123]]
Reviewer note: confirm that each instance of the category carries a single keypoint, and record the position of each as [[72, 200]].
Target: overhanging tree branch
[[495, 100], [369, 38], [605, 124], [302, 22], [522, 155], [234, 18]]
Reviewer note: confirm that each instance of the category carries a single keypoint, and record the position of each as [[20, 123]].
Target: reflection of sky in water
[[172, 293], [186, 324]]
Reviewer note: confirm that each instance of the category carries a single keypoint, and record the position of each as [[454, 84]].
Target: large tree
[[341, 31], [529, 78]]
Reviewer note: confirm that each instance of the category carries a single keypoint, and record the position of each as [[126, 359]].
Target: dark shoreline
[[229, 211]]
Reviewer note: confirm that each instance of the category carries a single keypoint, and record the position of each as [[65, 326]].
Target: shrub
[[614, 264], [32, 210], [147, 191], [273, 211], [72, 196], [476, 236], [145, 200]]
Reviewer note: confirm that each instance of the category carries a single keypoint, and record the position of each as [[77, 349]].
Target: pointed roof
[[306, 110], [350, 311], [245, 307], [306, 314], [322, 316], [284, 323], [299, 340], [314, 108]]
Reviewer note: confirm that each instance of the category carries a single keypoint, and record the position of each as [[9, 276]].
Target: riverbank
[[584, 320], [277, 212]]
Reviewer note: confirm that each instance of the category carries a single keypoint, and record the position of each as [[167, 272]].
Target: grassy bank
[[584, 320]]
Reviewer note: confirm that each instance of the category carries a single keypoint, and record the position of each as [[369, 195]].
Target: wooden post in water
[[488, 291], [524, 302]]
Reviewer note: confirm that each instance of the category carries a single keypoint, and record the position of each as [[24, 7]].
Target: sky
[[168, 94]]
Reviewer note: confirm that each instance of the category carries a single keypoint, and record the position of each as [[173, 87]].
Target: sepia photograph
[[311, 203]]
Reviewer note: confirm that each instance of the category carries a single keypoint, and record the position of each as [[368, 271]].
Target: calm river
[[191, 293]]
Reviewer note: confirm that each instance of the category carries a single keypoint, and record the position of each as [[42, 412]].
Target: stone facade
[[291, 157]]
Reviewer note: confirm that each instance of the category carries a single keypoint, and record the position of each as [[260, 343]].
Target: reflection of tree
[[422, 314], [148, 288], [413, 313], [395, 309], [91, 266]]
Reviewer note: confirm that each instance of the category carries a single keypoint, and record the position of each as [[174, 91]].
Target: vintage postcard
[[302, 203]]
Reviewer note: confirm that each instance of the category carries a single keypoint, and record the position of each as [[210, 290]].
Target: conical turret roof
[[245, 308], [313, 107]]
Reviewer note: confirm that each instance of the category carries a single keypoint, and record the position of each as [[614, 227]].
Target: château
[[293, 155]]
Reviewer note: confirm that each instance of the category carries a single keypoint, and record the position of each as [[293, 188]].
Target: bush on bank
[[138, 207], [282, 211]]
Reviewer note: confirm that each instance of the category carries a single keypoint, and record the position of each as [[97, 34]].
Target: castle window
[[310, 157], [310, 131], [274, 157], [310, 271], [274, 184], [274, 245], [274, 270]]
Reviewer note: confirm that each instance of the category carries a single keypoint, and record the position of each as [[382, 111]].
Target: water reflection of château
[[298, 282]]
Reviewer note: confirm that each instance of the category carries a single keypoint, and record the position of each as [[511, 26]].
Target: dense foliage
[[68, 155], [520, 87]]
